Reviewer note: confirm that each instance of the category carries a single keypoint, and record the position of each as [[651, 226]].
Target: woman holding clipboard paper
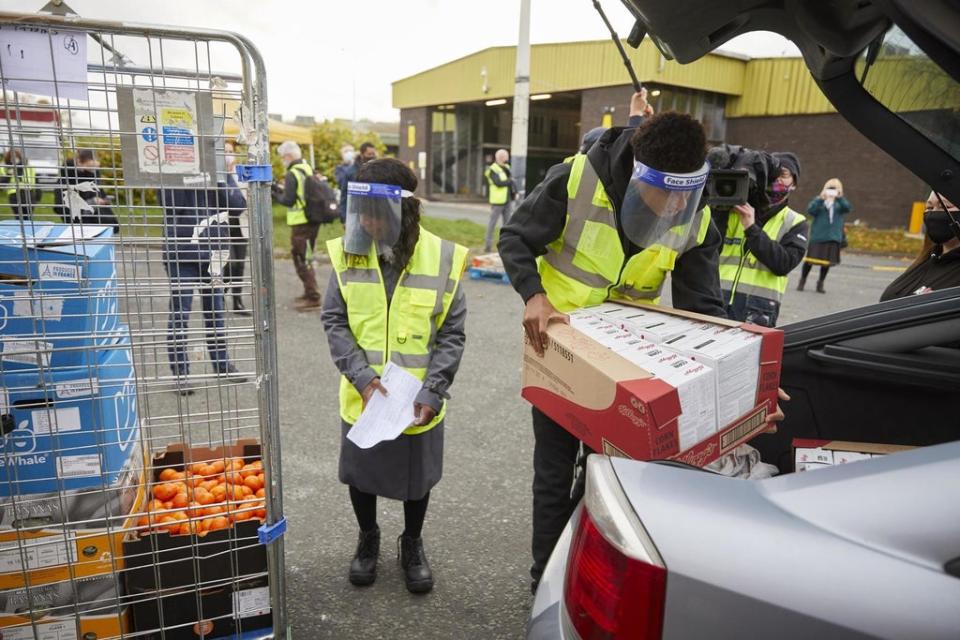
[[394, 308]]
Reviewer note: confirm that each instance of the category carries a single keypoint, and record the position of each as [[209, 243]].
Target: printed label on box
[[78, 466], [63, 630], [59, 271], [30, 352], [77, 388], [248, 603], [58, 551], [46, 421]]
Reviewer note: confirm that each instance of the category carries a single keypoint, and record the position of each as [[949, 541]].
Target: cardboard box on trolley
[[619, 402], [68, 429], [58, 294], [84, 608], [40, 543]]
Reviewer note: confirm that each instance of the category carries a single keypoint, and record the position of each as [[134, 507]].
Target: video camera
[[739, 175]]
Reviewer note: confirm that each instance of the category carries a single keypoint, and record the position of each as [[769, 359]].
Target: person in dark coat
[[232, 199], [195, 251], [826, 235], [78, 197], [938, 266]]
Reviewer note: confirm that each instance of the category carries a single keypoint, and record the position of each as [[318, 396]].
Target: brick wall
[[879, 188]]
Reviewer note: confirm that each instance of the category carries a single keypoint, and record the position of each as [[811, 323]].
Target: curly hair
[[392, 171], [671, 142]]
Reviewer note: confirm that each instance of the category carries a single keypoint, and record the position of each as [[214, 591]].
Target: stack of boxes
[[71, 463], [647, 382]]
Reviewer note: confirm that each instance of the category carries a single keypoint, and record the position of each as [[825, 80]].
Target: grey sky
[[326, 57]]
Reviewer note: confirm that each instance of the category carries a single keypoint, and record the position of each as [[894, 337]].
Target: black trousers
[[555, 453], [233, 272]]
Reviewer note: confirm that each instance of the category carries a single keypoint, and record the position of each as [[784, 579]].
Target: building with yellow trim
[[455, 116]]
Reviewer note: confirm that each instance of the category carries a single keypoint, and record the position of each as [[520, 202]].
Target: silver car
[[863, 550]]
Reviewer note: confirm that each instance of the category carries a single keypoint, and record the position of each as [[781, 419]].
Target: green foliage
[[329, 136], [882, 241]]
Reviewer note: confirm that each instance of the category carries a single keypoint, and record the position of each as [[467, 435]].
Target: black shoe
[[363, 567], [801, 284], [820, 288], [232, 375], [186, 391], [414, 563], [239, 308]]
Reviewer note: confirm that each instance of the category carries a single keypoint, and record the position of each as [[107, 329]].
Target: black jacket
[[288, 195], [939, 271], [540, 219]]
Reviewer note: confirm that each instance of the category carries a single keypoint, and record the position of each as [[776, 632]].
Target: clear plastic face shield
[[373, 216], [659, 203]]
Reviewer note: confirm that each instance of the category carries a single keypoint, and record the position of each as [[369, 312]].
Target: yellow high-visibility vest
[[296, 214], [740, 271], [405, 331], [587, 264], [498, 195], [27, 179]]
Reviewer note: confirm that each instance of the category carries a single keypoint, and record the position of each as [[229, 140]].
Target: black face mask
[[941, 226]]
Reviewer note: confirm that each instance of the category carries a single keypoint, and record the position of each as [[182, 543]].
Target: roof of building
[[755, 87]]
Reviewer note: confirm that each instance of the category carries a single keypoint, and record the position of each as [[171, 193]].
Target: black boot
[[414, 563], [363, 567], [239, 308], [802, 283], [820, 288]]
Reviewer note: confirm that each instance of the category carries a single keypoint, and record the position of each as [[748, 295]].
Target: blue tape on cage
[[267, 533], [254, 173]]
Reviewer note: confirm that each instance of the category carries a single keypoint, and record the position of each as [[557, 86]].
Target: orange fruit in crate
[[155, 505], [165, 491], [219, 493], [261, 493], [167, 474], [180, 501], [198, 467], [241, 514], [253, 482], [248, 470], [143, 522], [214, 510], [247, 491], [203, 496], [237, 464], [208, 485], [237, 492], [220, 522], [179, 475], [168, 523], [217, 466], [195, 509]]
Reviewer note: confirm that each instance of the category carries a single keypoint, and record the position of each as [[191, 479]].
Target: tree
[[329, 136]]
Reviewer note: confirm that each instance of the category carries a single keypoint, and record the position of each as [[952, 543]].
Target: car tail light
[[616, 582]]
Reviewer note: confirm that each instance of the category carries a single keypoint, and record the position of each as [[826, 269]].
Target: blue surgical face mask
[[348, 156]]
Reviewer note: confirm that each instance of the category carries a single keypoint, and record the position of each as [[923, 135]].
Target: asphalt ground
[[477, 531]]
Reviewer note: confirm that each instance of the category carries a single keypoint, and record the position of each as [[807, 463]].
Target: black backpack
[[318, 207]]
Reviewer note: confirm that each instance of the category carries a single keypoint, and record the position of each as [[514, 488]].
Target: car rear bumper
[[548, 618]]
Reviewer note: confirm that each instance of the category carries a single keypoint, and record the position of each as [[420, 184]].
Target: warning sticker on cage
[[30, 352], [248, 603], [46, 421], [77, 388], [58, 271], [87, 466], [63, 630], [168, 138], [38, 553]]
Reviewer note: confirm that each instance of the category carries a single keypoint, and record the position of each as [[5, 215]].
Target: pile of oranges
[[205, 497]]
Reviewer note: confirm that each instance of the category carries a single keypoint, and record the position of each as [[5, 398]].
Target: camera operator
[[763, 239]]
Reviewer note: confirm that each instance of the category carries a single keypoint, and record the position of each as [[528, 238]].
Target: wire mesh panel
[[140, 487]]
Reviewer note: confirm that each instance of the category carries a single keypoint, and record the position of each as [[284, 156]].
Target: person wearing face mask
[[826, 236], [760, 247], [394, 297], [347, 171], [938, 266]]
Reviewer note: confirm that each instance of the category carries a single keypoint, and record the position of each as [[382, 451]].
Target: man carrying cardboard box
[[608, 225]]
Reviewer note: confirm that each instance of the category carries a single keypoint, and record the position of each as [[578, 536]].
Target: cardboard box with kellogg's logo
[[643, 400]]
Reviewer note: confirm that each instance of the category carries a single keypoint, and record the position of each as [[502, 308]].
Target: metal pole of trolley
[[521, 103]]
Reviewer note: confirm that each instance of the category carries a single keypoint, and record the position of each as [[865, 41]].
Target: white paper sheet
[[30, 55], [385, 417]]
